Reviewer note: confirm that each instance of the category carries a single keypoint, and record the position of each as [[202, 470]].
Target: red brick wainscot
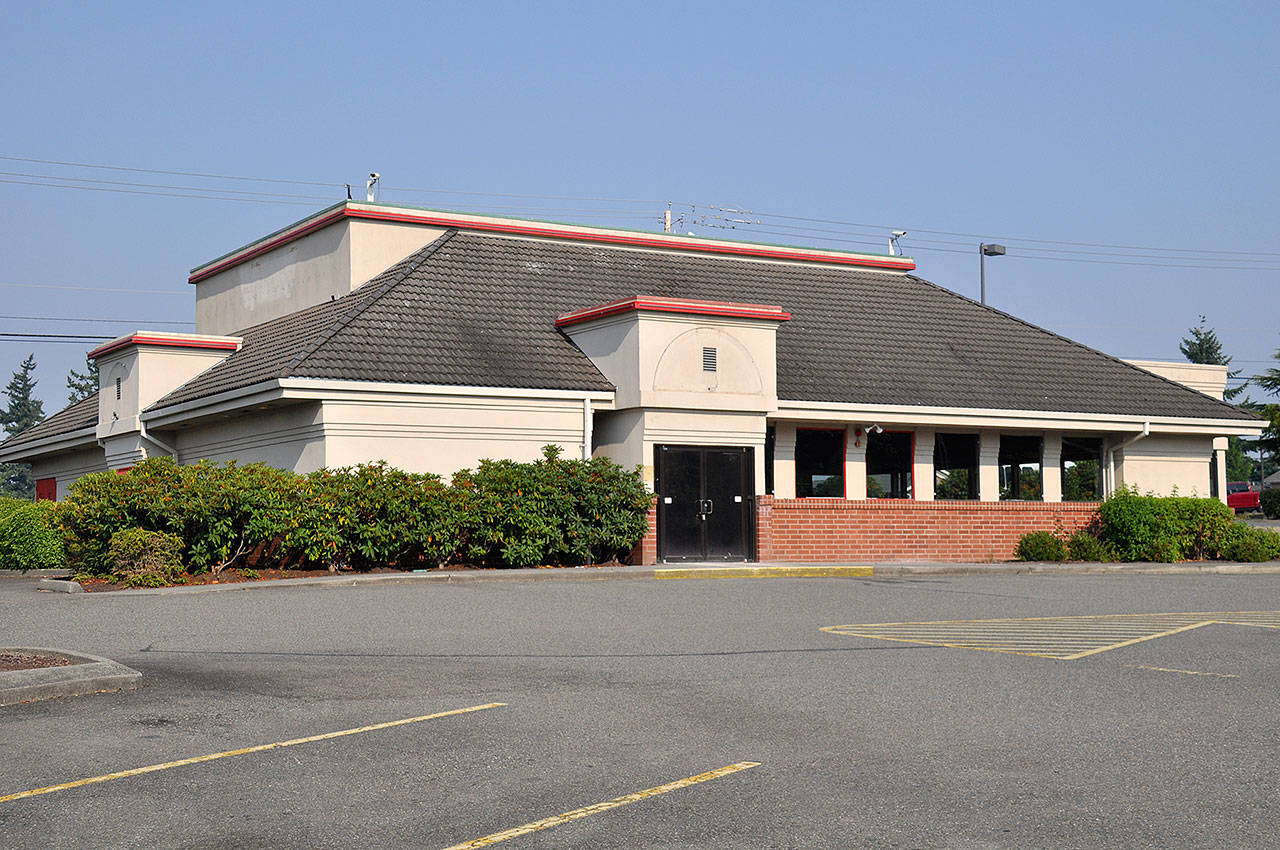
[[905, 530], [646, 551]]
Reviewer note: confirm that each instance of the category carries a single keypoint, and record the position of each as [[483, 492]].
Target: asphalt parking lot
[[701, 713]]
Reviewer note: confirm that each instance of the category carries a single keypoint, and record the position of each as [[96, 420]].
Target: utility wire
[[80, 337], [176, 173], [107, 321], [989, 237], [96, 289]]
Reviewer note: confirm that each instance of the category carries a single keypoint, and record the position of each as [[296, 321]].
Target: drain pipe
[[586, 429], [1123, 444], [142, 432]]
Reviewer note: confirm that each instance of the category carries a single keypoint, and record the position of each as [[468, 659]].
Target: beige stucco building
[[744, 380]]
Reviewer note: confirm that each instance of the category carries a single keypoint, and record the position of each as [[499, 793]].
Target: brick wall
[[904, 530], [646, 551]]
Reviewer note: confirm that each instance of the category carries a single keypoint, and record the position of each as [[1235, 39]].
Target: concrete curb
[[61, 572], [88, 674], [58, 585], [712, 571]]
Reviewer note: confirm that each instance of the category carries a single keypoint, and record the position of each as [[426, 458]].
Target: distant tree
[[1269, 381], [83, 385], [1203, 346], [22, 411]]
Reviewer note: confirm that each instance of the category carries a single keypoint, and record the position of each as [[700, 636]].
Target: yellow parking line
[[1187, 672], [577, 814], [152, 768], [1131, 642], [762, 572]]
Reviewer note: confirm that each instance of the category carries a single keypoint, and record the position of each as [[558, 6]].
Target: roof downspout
[[1111, 454], [586, 429], [142, 432]]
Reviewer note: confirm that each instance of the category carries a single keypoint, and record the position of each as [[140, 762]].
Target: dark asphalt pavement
[[621, 686]]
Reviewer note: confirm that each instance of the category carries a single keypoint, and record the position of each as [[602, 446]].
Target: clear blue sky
[[1143, 124]]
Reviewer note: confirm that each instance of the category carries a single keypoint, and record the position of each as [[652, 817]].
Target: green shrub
[[373, 515], [220, 512], [1041, 546], [1083, 546], [29, 539], [1165, 529], [9, 504], [141, 558], [550, 512], [1250, 545], [1270, 503], [505, 513]]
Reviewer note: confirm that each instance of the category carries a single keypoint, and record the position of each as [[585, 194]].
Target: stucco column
[[922, 466], [1051, 468], [1220, 452], [855, 464], [784, 460], [989, 466]]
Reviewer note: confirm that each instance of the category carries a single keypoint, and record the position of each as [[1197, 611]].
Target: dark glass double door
[[705, 503]]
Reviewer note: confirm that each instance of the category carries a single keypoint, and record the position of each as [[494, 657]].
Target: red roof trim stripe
[[170, 342], [284, 238], [743, 250], [664, 305]]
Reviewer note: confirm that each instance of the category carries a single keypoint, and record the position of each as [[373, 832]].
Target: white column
[[1051, 468], [784, 460], [1220, 452], [922, 466], [989, 466], [855, 463]]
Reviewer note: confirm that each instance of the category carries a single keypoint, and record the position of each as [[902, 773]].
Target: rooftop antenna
[[371, 187], [894, 249]]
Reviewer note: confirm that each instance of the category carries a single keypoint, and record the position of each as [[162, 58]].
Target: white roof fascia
[[961, 417], [326, 388], [322, 389], [219, 403], [79, 438]]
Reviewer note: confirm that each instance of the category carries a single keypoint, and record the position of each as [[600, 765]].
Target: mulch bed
[[234, 576], [10, 661]]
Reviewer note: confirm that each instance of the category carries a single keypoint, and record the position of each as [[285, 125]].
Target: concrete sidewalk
[[777, 569]]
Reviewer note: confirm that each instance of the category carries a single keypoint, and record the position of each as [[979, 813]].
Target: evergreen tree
[[1203, 346], [23, 411], [1270, 381], [83, 385], [24, 408]]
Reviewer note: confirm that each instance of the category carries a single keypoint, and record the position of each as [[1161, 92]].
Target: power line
[[159, 194], [97, 289], [107, 321], [988, 236], [175, 173], [79, 337], [1216, 266], [161, 186]]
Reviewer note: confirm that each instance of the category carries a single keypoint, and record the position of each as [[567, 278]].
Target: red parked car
[[1241, 497]]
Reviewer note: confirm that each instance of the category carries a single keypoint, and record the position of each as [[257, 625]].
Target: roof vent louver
[[708, 359]]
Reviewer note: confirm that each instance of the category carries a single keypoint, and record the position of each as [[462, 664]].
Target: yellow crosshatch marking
[[1061, 638]]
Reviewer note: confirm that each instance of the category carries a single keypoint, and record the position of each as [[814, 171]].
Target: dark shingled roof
[[82, 414], [479, 310]]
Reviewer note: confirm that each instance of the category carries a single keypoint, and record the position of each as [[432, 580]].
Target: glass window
[[819, 462], [889, 465], [955, 466], [1021, 461], [770, 438], [1081, 469]]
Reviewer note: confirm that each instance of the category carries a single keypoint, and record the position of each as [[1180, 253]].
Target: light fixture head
[[992, 250]]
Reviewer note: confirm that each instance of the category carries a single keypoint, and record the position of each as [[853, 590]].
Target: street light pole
[[986, 250]]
